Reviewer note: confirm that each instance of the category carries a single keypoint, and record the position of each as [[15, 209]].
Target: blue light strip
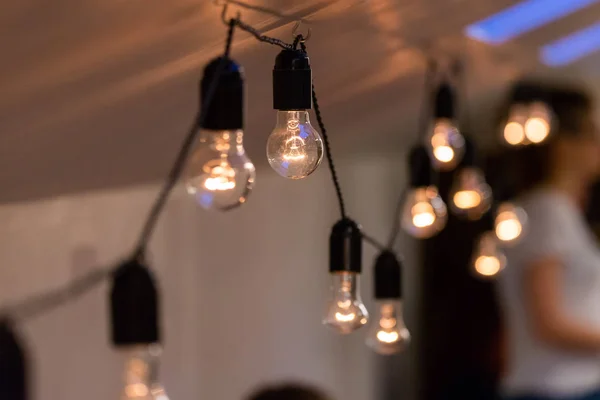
[[571, 48], [521, 18]]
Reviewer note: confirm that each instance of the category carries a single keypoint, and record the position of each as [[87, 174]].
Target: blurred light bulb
[[345, 312], [471, 195], [141, 374], [446, 145], [537, 126], [488, 260], [424, 212], [510, 222], [388, 334], [295, 148], [514, 131], [219, 174]]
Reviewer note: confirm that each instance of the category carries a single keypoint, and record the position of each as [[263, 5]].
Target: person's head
[[572, 151], [288, 392]]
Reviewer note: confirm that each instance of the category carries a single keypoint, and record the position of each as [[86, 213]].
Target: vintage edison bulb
[[470, 195], [219, 174], [509, 223], [514, 130], [488, 259], [424, 212], [388, 333], [345, 311], [537, 126], [295, 148], [141, 374], [446, 145]]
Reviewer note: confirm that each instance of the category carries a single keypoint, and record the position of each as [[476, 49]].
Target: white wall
[[242, 292]]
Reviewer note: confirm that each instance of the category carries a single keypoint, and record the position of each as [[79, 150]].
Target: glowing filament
[[487, 266], [423, 215], [294, 149], [537, 129], [443, 153], [387, 323], [387, 337], [514, 133], [221, 176], [508, 226], [345, 317], [466, 199]]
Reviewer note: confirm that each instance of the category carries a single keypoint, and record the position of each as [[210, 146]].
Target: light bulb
[[510, 222], [488, 260], [295, 148], [537, 126], [388, 333], [446, 145], [141, 374], [514, 131], [471, 195], [424, 212], [345, 311], [220, 175]]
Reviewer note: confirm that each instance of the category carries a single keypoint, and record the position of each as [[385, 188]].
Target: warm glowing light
[[345, 317], [443, 153], [487, 266], [423, 215], [509, 228], [537, 129], [466, 199], [388, 337], [221, 176], [136, 390], [294, 149], [387, 323], [514, 133]]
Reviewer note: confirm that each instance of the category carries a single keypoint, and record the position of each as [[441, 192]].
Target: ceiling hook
[[295, 32]]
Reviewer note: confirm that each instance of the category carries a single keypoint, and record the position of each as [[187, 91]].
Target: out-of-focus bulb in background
[[470, 195], [345, 311], [510, 222], [388, 333], [424, 212], [446, 145], [537, 126], [514, 131], [295, 148], [141, 374], [488, 259], [219, 174]]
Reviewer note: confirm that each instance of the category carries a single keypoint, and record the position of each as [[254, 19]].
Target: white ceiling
[[99, 93]]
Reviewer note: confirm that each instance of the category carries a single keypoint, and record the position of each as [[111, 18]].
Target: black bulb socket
[[134, 305], [226, 109], [388, 276], [419, 166], [13, 364], [444, 102], [345, 247], [292, 81]]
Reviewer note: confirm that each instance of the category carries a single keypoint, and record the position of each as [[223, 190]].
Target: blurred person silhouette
[[289, 392], [550, 291]]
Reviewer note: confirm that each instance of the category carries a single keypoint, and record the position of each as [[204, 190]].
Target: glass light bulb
[[219, 174], [424, 212], [537, 126], [471, 195], [141, 374], [345, 311], [514, 131], [446, 145], [510, 223], [488, 260], [388, 333], [295, 148]]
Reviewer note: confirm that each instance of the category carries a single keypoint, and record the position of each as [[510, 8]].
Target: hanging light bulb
[[510, 222], [388, 333], [345, 310], [219, 174], [537, 126], [294, 148], [488, 260], [514, 130], [446, 144], [135, 332], [424, 212], [470, 195]]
